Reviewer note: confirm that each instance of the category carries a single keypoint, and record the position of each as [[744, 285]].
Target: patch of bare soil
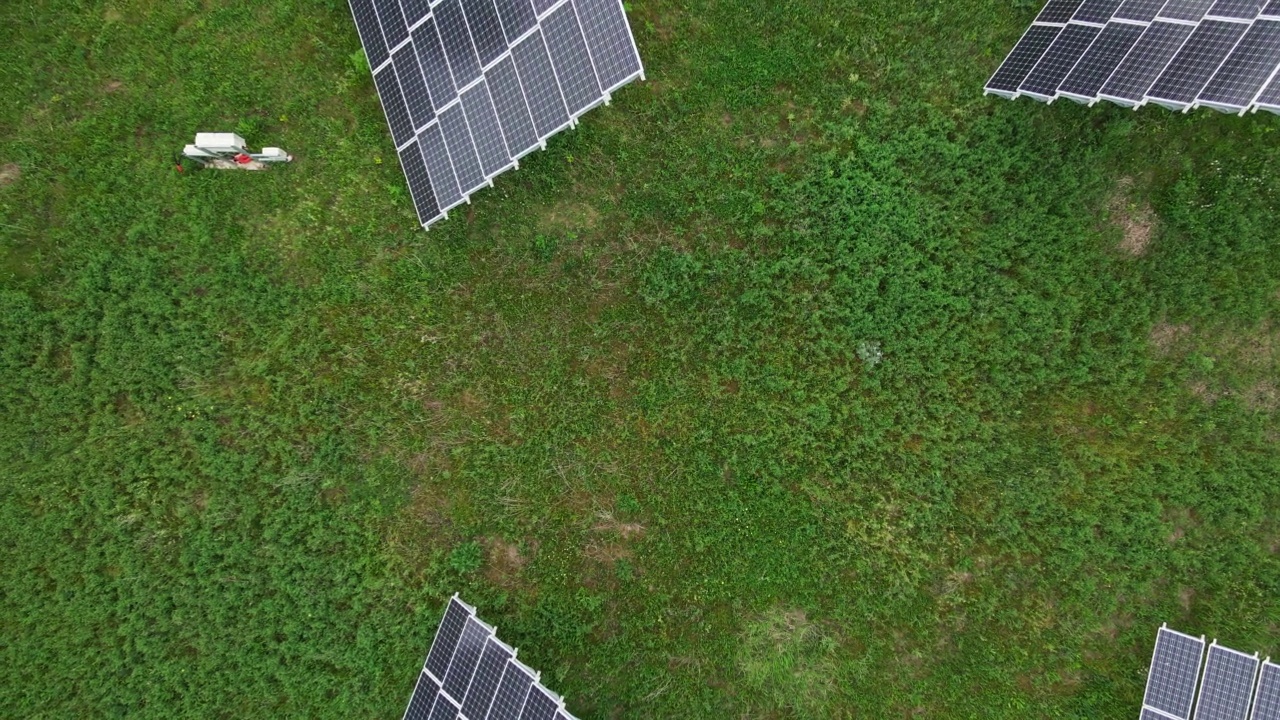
[[1136, 221], [9, 174], [505, 562], [112, 86], [612, 539], [1165, 337], [1262, 396]]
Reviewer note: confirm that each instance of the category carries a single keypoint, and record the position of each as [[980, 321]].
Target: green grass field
[[801, 382]]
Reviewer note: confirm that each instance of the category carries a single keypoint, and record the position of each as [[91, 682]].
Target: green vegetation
[[802, 381]]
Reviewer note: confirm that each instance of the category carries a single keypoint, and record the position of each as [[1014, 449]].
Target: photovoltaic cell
[[485, 683], [393, 105], [1227, 686], [1272, 8], [1269, 98], [375, 47], [541, 89], [415, 170], [1022, 58], [462, 149], [513, 113], [1096, 11], [1197, 61], [1148, 714], [517, 18], [443, 709], [1189, 10], [434, 67], [541, 6], [1241, 9], [1058, 11], [1139, 10], [458, 48], [539, 706], [1101, 59], [394, 28], [424, 694], [1247, 67], [1266, 700], [512, 691], [415, 10], [405, 61], [569, 56], [463, 665], [485, 130], [446, 640], [448, 194], [1175, 665], [1146, 61], [486, 30], [1058, 60], [609, 39]]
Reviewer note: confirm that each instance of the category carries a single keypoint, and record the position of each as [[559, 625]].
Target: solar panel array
[[471, 86], [470, 674], [1181, 54], [1231, 687]]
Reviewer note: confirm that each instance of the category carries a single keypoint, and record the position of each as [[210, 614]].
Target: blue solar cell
[[571, 60], [541, 89], [458, 47], [393, 103], [1175, 666]]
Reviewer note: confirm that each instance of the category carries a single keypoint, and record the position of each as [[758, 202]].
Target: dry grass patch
[[1166, 337], [1136, 221], [789, 661], [10, 173]]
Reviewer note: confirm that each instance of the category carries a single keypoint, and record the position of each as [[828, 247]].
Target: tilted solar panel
[[1195, 63], [1128, 85], [1175, 666], [1058, 60], [1181, 54], [1227, 686], [1022, 59], [475, 84], [1113, 43], [1246, 69], [482, 679], [1266, 700]]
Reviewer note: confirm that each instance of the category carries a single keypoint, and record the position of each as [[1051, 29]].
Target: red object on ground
[[242, 159]]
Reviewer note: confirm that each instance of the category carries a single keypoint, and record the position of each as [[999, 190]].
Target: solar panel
[[475, 84], [1194, 65], [482, 679], [1246, 69], [1022, 59], [1182, 54], [1101, 59], [1227, 686], [1266, 700], [1175, 665], [1128, 85], [1058, 60], [415, 171]]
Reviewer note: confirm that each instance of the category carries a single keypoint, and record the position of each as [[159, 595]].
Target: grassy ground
[[801, 382]]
